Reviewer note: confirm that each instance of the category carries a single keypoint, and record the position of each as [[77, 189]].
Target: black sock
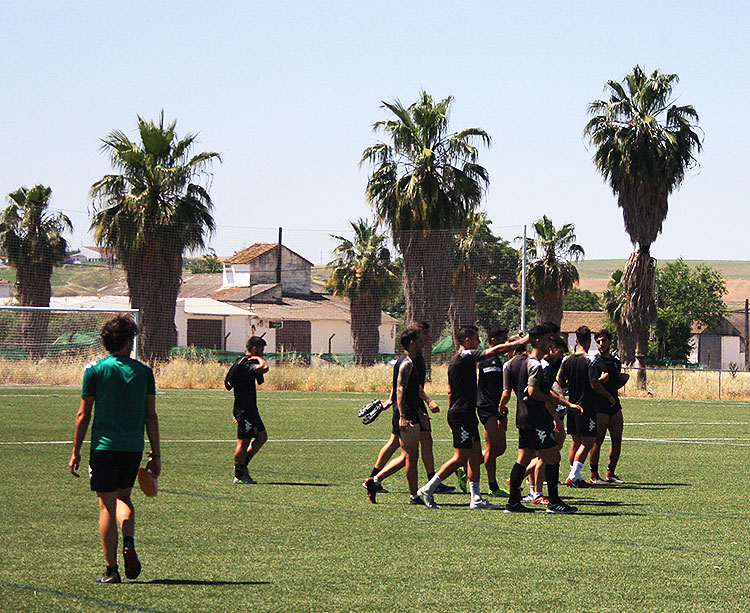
[[248, 458], [552, 476], [516, 479], [239, 470], [494, 486], [430, 475], [128, 541], [374, 472], [111, 569], [611, 467], [595, 469]]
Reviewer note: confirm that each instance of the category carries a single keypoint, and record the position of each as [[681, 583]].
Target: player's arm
[[551, 400], [430, 402], [502, 407], [505, 347], [623, 379], [389, 402], [152, 431], [261, 364], [83, 417], [596, 379], [404, 372]]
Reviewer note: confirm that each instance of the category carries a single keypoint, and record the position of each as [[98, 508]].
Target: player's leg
[[525, 456], [410, 446], [240, 456], [108, 526], [491, 448], [385, 453], [551, 458], [126, 521], [616, 425], [602, 425], [575, 442]]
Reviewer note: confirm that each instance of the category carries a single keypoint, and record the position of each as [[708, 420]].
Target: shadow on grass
[[648, 486], [199, 582], [296, 483]]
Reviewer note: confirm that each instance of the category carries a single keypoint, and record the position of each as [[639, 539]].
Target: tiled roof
[[253, 252], [572, 320]]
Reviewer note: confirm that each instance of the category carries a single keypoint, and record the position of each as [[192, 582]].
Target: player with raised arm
[[462, 416], [535, 418], [495, 422], [121, 393], [574, 376], [606, 377], [251, 432]]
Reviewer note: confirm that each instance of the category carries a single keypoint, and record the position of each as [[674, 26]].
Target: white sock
[[533, 493], [474, 490], [375, 480], [432, 484], [576, 470]]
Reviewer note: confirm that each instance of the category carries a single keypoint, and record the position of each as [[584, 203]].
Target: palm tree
[[644, 146], [150, 214], [551, 271], [32, 239], [472, 264], [364, 272], [423, 185], [613, 299]]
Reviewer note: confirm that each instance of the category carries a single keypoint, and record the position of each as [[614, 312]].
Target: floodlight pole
[[523, 282]]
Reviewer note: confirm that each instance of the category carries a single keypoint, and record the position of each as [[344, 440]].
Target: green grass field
[[675, 538]]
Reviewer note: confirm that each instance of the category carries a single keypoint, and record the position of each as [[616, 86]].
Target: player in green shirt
[[121, 393]]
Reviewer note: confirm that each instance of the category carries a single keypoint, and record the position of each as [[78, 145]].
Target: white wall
[[731, 351]]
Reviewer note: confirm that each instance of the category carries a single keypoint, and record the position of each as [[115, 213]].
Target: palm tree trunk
[[462, 308], [365, 325], [154, 278], [640, 309], [625, 345], [428, 263], [549, 308], [34, 289]]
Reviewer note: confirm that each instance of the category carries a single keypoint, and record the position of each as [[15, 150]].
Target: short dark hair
[[467, 331], [118, 331], [497, 331], [255, 341], [408, 336], [419, 325], [583, 334], [538, 332], [553, 327], [604, 333], [558, 341]]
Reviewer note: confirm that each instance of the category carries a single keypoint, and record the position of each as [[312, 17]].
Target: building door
[[205, 333], [294, 336]]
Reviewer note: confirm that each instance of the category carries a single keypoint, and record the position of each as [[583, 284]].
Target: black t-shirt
[[462, 380], [243, 382], [612, 366], [411, 392], [574, 375], [532, 413], [490, 384]]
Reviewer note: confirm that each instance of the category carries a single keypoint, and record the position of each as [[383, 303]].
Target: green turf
[[675, 538]]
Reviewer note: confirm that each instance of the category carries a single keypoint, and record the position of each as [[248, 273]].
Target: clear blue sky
[[287, 92]]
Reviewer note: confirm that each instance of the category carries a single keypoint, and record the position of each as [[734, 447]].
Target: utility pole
[[523, 282], [747, 334]]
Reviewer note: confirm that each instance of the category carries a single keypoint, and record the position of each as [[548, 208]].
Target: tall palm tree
[[150, 213], [363, 271], [423, 185], [551, 271], [32, 239], [472, 264], [613, 299], [644, 145]]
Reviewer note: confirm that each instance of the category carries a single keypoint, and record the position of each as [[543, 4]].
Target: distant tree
[[150, 213], [685, 297], [209, 263], [499, 295], [363, 271], [550, 272], [581, 300], [423, 184], [32, 239], [644, 145]]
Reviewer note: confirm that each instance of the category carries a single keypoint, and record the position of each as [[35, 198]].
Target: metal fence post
[[719, 385], [671, 395]]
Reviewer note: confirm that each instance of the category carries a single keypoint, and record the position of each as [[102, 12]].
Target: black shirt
[[490, 384], [411, 390], [531, 413], [611, 365], [462, 380], [243, 383], [574, 375]]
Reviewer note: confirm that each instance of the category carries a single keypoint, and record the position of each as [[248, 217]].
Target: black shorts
[[249, 426], [396, 427], [586, 424], [487, 414], [608, 409], [465, 430], [572, 430], [113, 470], [532, 438]]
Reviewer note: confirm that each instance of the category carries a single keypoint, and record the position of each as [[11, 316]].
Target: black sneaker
[[560, 508], [132, 563], [444, 489], [372, 489], [517, 507], [416, 500], [381, 489], [113, 577]]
